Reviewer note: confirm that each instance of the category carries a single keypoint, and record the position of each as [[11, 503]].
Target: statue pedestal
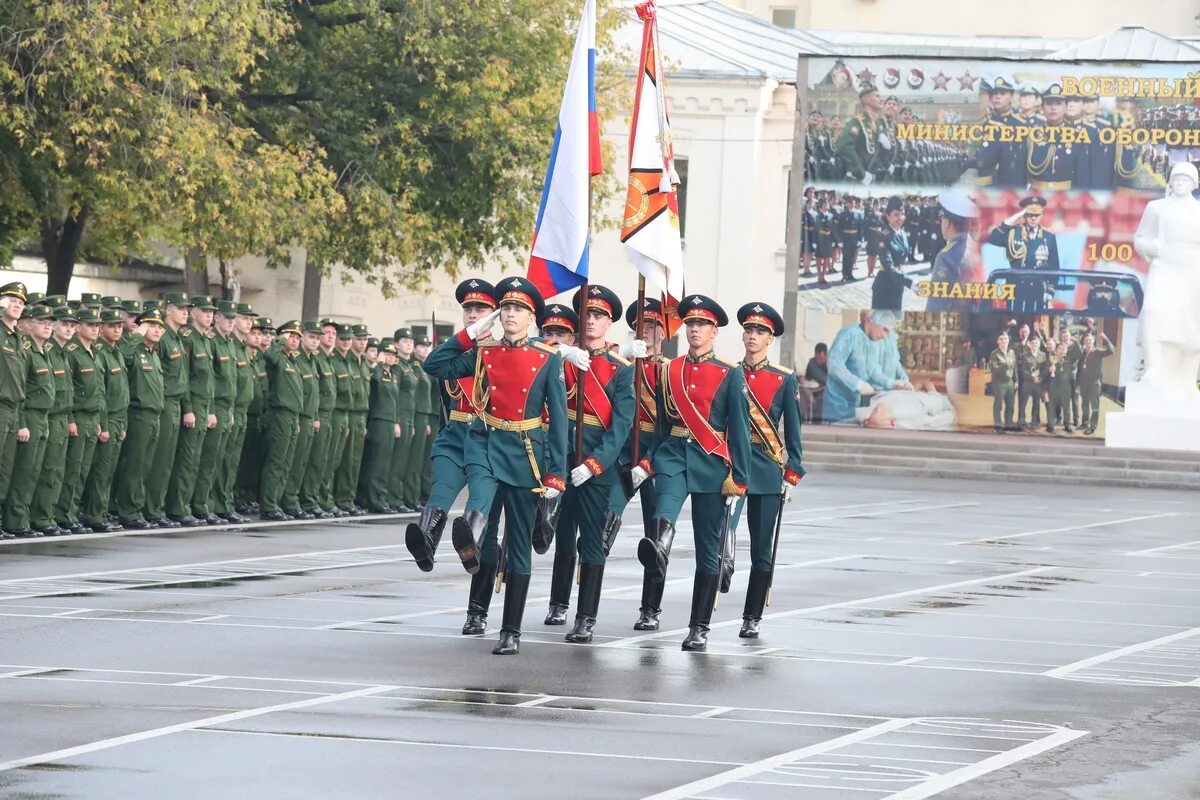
[[1151, 422]]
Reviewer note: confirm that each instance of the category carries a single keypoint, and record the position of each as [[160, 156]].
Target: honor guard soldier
[[305, 362], [1002, 364], [1053, 166], [773, 397], [449, 476], [225, 386], [652, 332], [423, 424], [60, 421], [316, 477], [251, 461], [1028, 246], [285, 404], [404, 373], [87, 410], [608, 412], [144, 370], [97, 490], [508, 455], [383, 431], [702, 450], [12, 377], [1001, 163], [32, 429], [197, 404]]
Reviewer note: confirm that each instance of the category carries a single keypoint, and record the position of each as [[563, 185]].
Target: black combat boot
[[591, 578], [516, 591], [467, 533], [652, 592], [608, 534], [560, 587], [756, 598], [654, 552], [704, 596], [422, 539], [480, 599]]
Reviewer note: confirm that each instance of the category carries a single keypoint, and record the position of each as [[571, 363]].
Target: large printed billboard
[[976, 198]]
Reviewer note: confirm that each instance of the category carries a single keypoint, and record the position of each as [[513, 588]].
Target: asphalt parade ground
[[949, 638]]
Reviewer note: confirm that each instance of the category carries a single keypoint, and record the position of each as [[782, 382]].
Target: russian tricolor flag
[[558, 260]]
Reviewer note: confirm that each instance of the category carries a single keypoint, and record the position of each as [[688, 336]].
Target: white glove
[[1015, 218], [638, 476], [581, 475], [730, 500], [550, 493], [634, 349], [865, 388], [868, 179], [580, 358], [884, 141], [480, 327], [786, 491]]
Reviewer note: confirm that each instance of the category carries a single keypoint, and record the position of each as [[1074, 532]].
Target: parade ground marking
[[842, 604], [1079, 669], [849, 763], [1154, 551], [1103, 524], [154, 733]]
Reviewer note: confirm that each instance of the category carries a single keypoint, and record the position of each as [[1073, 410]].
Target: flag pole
[[639, 377], [583, 295]]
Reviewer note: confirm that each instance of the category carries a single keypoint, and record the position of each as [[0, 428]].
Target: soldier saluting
[[508, 455], [702, 450], [860, 139]]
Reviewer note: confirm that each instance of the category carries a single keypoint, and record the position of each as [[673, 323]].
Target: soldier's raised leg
[[422, 539]]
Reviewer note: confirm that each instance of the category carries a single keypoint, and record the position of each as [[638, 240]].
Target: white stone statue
[[1168, 237]]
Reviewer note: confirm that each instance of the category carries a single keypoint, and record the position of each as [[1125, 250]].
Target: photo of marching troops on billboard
[[968, 257]]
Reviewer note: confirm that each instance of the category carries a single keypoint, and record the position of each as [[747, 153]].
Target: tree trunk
[[310, 304], [60, 246], [195, 272]]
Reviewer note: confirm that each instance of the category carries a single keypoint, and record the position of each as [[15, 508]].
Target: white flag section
[[559, 256], [650, 229]]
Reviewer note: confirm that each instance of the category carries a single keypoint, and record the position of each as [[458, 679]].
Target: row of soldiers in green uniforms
[[190, 411], [1064, 373], [843, 226]]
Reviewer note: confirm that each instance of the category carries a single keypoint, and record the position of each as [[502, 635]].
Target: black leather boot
[[422, 539], [704, 596], [480, 600], [654, 552], [608, 535], [516, 591], [467, 533], [591, 578], [756, 598], [560, 588], [652, 592]]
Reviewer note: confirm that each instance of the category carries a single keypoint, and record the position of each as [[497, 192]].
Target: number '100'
[[1110, 252]]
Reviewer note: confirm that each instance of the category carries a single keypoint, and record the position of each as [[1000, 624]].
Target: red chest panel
[[595, 399], [701, 382], [651, 370], [510, 372], [462, 401], [764, 384]]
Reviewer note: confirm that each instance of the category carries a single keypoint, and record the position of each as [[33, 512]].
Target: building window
[[783, 17], [444, 332], [681, 167]]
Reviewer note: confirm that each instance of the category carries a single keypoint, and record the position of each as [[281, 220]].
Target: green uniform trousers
[[401, 456], [708, 509], [45, 497], [299, 465], [312, 484], [1091, 405], [519, 504], [427, 461], [158, 474], [187, 465], [212, 456], [1059, 408], [80, 451], [584, 510], [97, 488], [222, 499], [281, 434], [27, 466], [417, 459], [377, 463], [761, 511], [138, 458], [1030, 392], [346, 481], [448, 481], [340, 435], [10, 423], [250, 464], [1003, 395]]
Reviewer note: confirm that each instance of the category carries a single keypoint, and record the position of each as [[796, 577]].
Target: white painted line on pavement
[[843, 604], [1068, 669], [20, 672], [803, 521], [767, 764], [199, 681], [1153, 550], [537, 701], [1104, 524], [155, 733], [712, 712], [959, 776]]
